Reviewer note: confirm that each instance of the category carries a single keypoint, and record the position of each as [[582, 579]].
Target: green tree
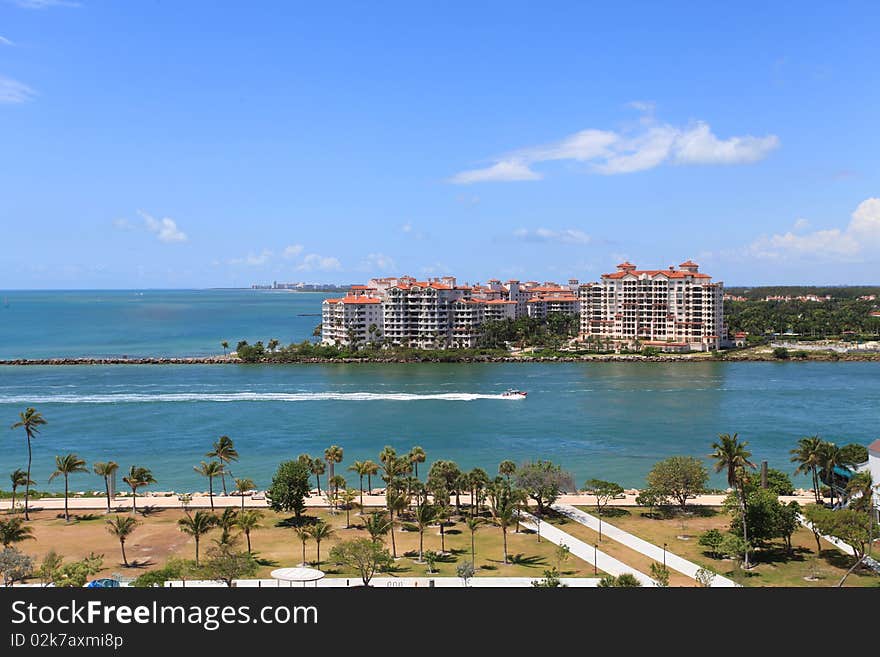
[[416, 455], [478, 479], [197, 525], [289, 488], [320, 531], [445, 475], [18, 477], [543, 481], [210, 470], [224, 451], [660, 575], [704, 577], [466, 571], [13, 530], [853, 454], [227, 522], [304, 535], [15, 566], [317, 468], [248, 520], [731, 454], [105, 470], [372, 469], [425, 515], [678, 477], [64, 467], [364, 556], [226, 565], [225, 346], [829, 459], [396, 503], [360, 468], [603, 492], [121, 527], [624, 580], [31, 421], [473, 524], [333, 455], [807, 456], [138, 477], [347, 497], [244, 485], [505, 515], [781, 353], [377, 525], [551, 580], [506, 468], [712, 539], [778, 482]]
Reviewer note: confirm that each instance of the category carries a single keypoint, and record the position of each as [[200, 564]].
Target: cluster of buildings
[[673, 309], [300, 287]]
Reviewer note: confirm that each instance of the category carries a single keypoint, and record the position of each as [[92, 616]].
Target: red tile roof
[[355, 300], [689, 263], [656, 272], [875, 446]]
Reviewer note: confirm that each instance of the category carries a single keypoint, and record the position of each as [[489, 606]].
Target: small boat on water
[[514, 393]]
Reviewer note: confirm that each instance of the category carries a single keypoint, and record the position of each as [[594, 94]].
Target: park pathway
[[578, 548], [650, 550]]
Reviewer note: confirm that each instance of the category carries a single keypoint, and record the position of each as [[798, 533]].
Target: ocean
[[605, 420]]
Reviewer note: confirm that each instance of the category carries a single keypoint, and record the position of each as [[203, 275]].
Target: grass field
[[774, 567], [157, 538]]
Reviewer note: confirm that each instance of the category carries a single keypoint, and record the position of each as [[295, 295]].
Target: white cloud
[[5, 42], [565, 236], [378, 262], [43, 4], [647, 106], [801, 224], [292, 251], [253, 259], [122, 224], [166, 229], [313, 262], [13, 91], [859, 238], [636, 149]]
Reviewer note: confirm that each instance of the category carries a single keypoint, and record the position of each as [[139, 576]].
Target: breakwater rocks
[[124, 360]]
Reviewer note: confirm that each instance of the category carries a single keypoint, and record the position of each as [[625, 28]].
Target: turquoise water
[[47, 324], [607, 420]]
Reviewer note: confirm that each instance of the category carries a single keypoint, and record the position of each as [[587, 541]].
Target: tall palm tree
[[18, 477], [225, 346], [320, 531], [106, 469], [473, 524], [318, 467], [122, 527], [371, 468], [377, 525], [806, 455], [396, 503], [210, 470], [303, 534], [506, 468], [333, 455], [337, 482], [504, 515], [137, 477], [243, 486], [732, 455], [30, 420], [347, 497], [359, 468], [860, 491], [227, 521], [249, 520], [14, 530], [442, 508], [425, 514], [197, 525], [65, 466], [225, 452], [829, 458], [417, 455]]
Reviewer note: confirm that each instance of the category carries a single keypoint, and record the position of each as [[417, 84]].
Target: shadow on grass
[[149, 510], [532, 561], [837, 559], [293, 521], [138, 564], [397, 568], [86, 517], [774, 554], [452, 532], [615, 512], [263, 561], [446, 558]]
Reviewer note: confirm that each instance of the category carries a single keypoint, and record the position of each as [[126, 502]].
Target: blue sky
[[199, 144]]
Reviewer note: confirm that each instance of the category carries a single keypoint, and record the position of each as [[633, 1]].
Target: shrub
[[780, 353], [712, 540]]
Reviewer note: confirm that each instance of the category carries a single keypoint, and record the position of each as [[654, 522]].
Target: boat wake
[[141, 398]]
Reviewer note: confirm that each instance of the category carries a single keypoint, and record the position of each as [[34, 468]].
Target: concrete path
[[397, 582], [604, 562], [650, 550]]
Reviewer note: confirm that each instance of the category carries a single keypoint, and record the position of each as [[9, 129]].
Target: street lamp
[[595, 559], [664, 556]]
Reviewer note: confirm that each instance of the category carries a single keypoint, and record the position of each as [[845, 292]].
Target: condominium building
[[672, 309], [355, 318]]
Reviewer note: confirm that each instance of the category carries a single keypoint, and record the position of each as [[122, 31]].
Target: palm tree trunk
[[197, 549], [318, 479], [134, 500], [242, 504], [66, 512], [124, 560], [12, 508], [223, 479], [421, 542], [211, 492], [473, 550], [27, 484], [370, 483], [742, 503], [362, 493], [248, 536], [442, 537], [304, 553], [319, 552], [504, 533], [393, 544], [107, 489]]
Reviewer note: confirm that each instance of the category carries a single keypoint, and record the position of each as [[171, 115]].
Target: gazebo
[[292, 575]]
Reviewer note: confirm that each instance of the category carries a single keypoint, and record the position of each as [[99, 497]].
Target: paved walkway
[[650, 550], [397, 582], [604, 562]]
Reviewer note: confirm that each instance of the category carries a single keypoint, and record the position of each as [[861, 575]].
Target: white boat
[[514, 393]]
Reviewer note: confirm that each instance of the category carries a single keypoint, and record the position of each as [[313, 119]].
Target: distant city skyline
[[222, 144]]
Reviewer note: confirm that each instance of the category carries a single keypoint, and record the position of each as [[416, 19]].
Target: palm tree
[[18, 477], [333, 455], [244, 485], [371, 469], [806, 455], [226, 521], [30, 420], [225, 452], [303, 534], [442, 508], [320, 531], [337, 481], [506, 468], [731, 454], [504, 515], [272, 344], [473, 524], [14, 530], [121, 527], [137, 477], [225, 346], [416, 456], [318, 468], [106, 470], [396, 502], [360, 468], [829, 458], [248, 521], [65, 466], [197, 525], [348, 497], [377, 525], [860, 491], [210, 470], [425, 514]]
